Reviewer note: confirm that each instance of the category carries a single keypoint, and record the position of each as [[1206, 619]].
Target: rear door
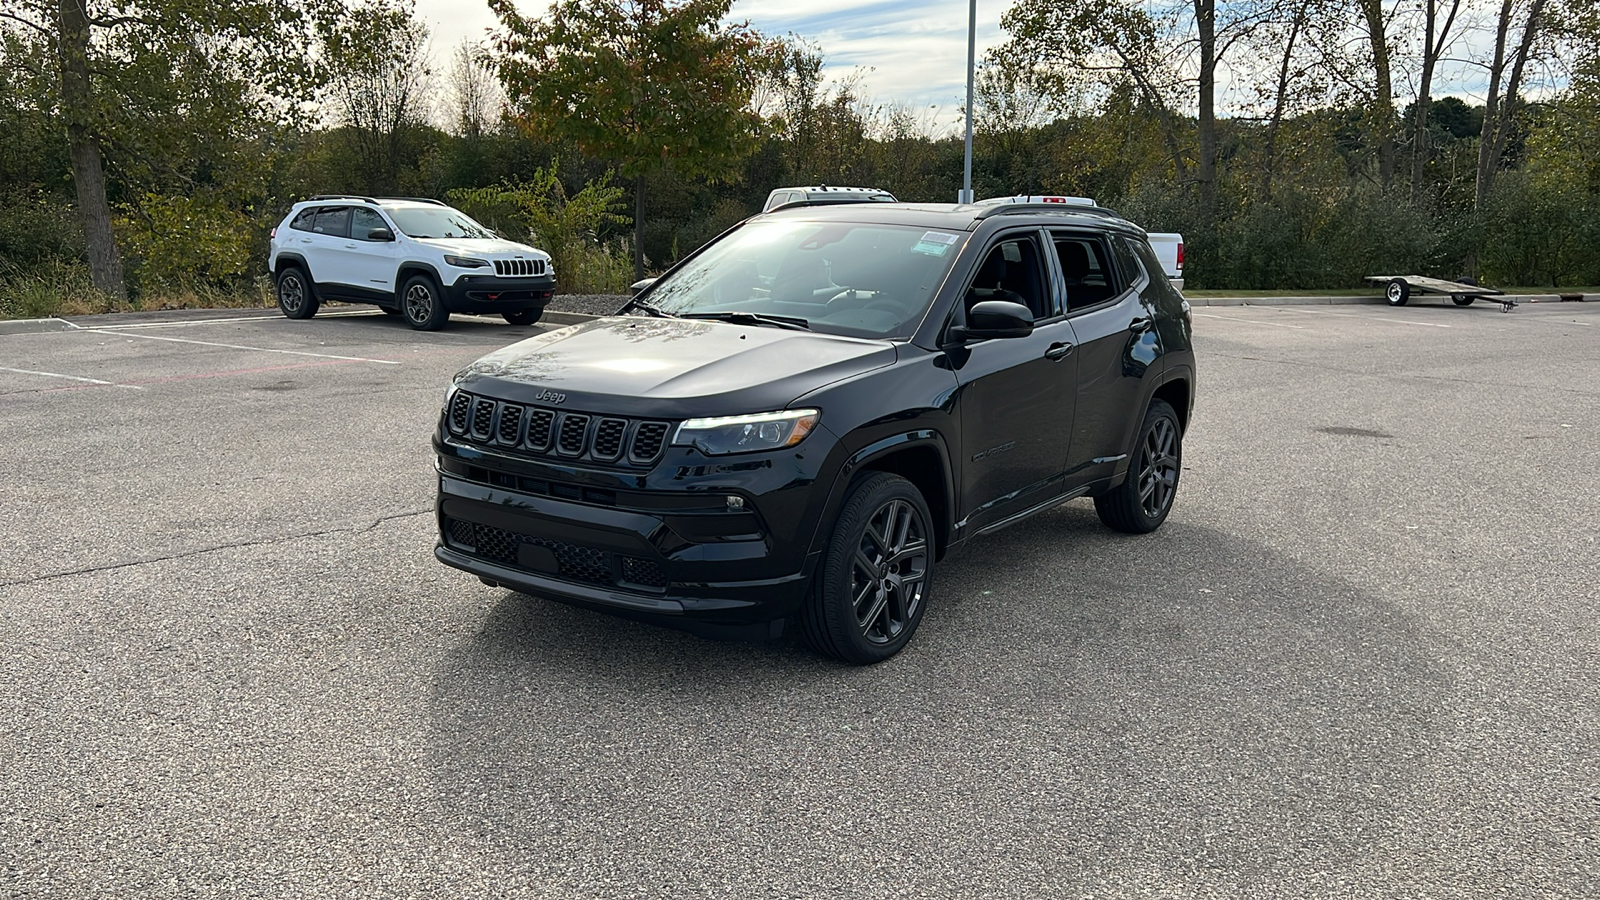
[[1015, 400], [1114, 326], [324, 246]]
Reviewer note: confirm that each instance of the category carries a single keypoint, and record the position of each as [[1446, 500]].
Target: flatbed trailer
[[1399, 288]]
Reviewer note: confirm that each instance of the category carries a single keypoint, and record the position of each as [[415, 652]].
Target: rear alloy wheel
[[1140, 504], [296, 298], [523, 316], [874, 582], [421, 304], [1398, 292]]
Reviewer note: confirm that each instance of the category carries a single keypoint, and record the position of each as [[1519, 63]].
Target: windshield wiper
[[656, 311], [793, 323]]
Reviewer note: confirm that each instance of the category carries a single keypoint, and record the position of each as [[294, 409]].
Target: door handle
[[1140, 324], [349, 246], [1058, 352]]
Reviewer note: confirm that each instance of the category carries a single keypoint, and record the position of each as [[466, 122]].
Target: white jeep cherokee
[[415, 258]]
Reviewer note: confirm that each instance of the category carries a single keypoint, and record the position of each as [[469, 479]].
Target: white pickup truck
[[1169, 249]]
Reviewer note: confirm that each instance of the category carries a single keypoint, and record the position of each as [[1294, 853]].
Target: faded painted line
[[1318, 312], [229, 372], [1251, 321], [153, 337], [268, 317], [95, 381]]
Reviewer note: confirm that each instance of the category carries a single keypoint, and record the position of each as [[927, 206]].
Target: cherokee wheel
[[877, 575], [296, 298], [421, 304], [1140, 504]]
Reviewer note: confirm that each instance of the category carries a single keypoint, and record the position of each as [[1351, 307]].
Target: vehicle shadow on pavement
[[1078, 706]]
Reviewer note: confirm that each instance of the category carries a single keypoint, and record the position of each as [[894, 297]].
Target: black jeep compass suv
[[797, 421]]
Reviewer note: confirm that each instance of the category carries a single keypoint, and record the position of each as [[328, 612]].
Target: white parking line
[[188, 324], [1318, 312], [1251, 321], [68, 377], [153, 337]]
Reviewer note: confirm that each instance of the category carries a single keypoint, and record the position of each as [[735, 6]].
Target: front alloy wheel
[[424, 309], [875, 580]]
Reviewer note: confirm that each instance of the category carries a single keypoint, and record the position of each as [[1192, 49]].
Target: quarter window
[[302, 222]]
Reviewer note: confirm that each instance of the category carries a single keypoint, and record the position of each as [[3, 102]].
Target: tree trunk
[[1382, 90], [1434, 41], [88, 167], [638, 228], [1499, 109], [1205, 16], [1269, 154]]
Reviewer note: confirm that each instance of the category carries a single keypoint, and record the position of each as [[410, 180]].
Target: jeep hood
[[484, 248], [671, 368]]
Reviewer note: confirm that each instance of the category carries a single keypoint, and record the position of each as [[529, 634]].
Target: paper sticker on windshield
[[935, 243]]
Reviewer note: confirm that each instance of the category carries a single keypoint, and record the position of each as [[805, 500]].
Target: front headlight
[[746, 434], [466, 262]]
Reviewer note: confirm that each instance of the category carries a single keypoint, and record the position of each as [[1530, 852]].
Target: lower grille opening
[[576, 563]]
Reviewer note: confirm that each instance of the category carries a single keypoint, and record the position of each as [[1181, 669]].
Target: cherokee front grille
[[516, 268], [573, 562], [556, 433]]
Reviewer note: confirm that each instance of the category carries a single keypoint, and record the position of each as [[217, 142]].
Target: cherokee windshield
[[848, 278], [436, 222]]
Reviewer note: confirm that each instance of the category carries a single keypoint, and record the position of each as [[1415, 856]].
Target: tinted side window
[[333, 221], [1128, 260], [1013, 270], [363, 220], [1086, 274], [302, 222]]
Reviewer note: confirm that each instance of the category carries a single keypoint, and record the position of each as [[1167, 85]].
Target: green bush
[[568, 228]]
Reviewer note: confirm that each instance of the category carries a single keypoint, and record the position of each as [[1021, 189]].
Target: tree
[[648, 85], [1522, 23], [126, 74], [376, 55]]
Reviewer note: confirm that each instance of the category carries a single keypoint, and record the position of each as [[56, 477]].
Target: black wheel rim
[[1158, 467], [889, 572], [291, 294], [419, 303]]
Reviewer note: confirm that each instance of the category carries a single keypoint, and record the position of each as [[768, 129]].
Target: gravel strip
[[589, 304]]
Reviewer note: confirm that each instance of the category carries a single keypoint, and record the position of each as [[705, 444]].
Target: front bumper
[[678, 556], [494, 294]]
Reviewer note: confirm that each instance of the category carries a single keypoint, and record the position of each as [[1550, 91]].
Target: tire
[[1459, 300], [297, 299], [422, 305], [1398, 292], [1141, 503], [876, 576], [523, 316]]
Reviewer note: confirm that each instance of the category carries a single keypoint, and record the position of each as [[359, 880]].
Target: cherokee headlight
[[466, 262], [746, 434]]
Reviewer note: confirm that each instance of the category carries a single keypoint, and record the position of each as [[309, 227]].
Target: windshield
[[849, 278], [436, 222]]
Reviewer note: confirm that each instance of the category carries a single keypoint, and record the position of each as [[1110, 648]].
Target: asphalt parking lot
[[1360, 660]]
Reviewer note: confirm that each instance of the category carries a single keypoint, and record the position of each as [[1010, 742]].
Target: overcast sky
[[916, 50]]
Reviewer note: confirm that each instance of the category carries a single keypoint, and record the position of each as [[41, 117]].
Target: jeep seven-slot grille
[[518, 267], [574, 562], [548, 432]]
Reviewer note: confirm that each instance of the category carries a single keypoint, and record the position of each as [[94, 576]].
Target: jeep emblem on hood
[[547, 396]]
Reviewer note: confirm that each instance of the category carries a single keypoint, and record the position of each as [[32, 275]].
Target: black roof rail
[[416, 200], [344, 197], [1002, 209]]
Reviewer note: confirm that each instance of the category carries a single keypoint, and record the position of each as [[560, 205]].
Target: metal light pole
[[972, 47]]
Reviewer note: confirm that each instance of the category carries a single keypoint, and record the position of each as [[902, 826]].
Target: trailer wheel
[[1459, 300], [1398, 292]]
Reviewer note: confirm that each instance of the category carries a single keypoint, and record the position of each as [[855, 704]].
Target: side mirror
[[380, 234], [993, 319], [638, 286]]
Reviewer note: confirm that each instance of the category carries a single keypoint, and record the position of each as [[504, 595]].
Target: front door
[[371, 264], [1015, 400]]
